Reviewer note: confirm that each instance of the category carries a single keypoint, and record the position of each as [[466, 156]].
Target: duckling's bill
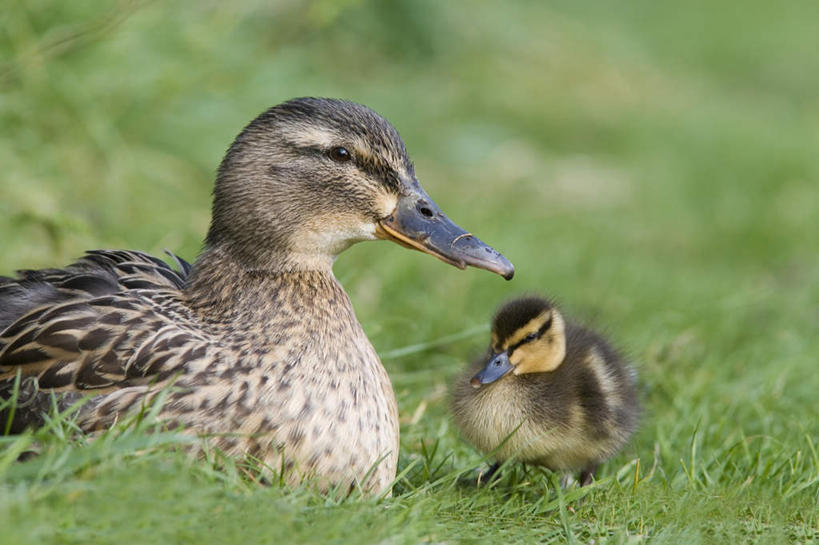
[[418, 223], [497, 366]]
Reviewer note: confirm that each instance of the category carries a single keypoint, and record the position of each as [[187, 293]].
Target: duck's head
[[308, 178], [528, 336]]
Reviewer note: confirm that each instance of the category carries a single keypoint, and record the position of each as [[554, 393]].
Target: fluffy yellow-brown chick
[[549, 392]]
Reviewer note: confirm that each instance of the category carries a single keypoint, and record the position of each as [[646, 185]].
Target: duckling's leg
[[587, 475]]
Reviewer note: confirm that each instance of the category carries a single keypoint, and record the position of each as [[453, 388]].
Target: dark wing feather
[[99, 344], [107, 321], [99, 272]]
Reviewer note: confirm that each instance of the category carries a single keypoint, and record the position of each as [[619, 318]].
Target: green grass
[[653, 166]]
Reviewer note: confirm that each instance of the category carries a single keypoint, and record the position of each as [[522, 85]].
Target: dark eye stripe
[[375, 168], [546, 325]]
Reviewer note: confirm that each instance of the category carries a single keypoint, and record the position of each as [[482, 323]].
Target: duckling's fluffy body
[[258, 338], [569, 418]]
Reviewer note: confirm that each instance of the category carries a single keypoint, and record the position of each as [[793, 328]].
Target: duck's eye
[[530, 337], [340, 154]]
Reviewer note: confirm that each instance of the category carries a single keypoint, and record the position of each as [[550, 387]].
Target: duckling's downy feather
[[571, 418]]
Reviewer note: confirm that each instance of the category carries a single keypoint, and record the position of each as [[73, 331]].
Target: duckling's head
[[528, 336], [309, 177]]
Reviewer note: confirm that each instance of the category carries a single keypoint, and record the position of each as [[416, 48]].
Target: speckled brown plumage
[[259, 339], [569, 418]]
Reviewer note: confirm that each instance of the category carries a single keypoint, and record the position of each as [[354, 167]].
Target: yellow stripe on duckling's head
[[546, 350], [532, 332]]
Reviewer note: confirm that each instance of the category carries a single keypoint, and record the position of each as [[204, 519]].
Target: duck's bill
[[497, 367], [418, 223]]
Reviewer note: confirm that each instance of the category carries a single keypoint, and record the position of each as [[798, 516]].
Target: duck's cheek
[[384, 205], [525, 360], [541, 357], [331, 234], [363, 231]]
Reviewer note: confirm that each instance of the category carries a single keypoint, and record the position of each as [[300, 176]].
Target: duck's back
[[72, 330], [100, 272]]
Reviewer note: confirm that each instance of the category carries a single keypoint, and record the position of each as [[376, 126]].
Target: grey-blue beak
[[418, 223], [497, 366]]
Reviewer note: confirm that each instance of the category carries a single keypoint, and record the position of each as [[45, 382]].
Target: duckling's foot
[[486, 476], [587, 475]]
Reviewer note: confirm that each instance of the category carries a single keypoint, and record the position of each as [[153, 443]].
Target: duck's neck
[[274, 250], [224, 289]]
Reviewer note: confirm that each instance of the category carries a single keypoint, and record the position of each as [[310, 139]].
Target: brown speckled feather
[[115, 323], [121, 345], [260, 341]]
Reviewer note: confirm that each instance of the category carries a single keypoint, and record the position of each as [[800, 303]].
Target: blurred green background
[[654, 166]]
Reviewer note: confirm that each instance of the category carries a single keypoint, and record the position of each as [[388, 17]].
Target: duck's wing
[[110, 320], [99, 272]]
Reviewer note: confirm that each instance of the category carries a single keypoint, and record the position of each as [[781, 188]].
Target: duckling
[[549, 392], [259, 339]]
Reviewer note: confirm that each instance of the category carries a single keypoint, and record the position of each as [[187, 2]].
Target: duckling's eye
[[340, 154], [530, 337]]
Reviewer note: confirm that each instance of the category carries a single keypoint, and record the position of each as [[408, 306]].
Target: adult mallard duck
[[261, 342], [549, 392]]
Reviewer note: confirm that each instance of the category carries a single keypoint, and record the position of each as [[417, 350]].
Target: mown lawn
[[653, 166]]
